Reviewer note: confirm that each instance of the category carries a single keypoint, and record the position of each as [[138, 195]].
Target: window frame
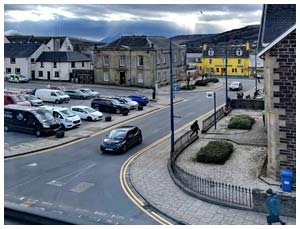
[[140, 77], [122, 61], [56, 74], [106, 73]]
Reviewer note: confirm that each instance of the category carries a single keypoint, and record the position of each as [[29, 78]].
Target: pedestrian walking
[[195, 128], [264, 117], [273, 206]]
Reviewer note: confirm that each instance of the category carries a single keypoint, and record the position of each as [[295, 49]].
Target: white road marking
[[32, 164]]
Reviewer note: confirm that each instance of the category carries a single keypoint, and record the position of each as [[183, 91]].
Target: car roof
[[55, 108], [79, 106], [23, 108], [125, 127]]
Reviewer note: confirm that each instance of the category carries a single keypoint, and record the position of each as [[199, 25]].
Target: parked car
[[29, 119], [76, 94], [121, 139], [15, 99], [108, 105], [235, 86], [34, 101], [90, 92], [67, 118], [88, 113], [15, 78], [50, 95], [140, 99], [125, 100]]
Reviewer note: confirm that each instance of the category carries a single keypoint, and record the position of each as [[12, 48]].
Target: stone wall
[[255, 104]]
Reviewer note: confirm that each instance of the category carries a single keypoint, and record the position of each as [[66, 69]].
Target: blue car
[[141, 99]]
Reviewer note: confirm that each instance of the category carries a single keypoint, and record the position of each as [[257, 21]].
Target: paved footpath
[[149, 175]]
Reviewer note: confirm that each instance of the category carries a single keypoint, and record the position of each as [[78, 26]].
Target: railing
[[206, 189], [209, 121]]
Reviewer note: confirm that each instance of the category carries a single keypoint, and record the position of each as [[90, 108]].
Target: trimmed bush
[[244, 122], [201, 82], [213, 80], [190, 87], [216, 152]]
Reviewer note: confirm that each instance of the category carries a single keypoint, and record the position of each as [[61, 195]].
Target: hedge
[[216, 152], [201, 82], [244, 122]]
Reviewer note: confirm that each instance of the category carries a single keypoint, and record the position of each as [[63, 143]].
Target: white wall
[[21, 63], [6, 40]]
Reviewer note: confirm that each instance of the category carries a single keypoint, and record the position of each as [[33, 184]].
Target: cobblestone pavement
[[150, 177]]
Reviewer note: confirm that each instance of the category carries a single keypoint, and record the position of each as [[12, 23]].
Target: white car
[[235, 86], [67, 118], [88, 113]]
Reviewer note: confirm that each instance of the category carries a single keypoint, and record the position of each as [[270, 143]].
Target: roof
[[59, 56], [23, 108], [220, 52], [276, 20], [29, 39], [141, 43], [19, 50]]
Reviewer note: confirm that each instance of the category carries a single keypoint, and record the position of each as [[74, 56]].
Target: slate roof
[[220, 52], [19, 50], [140, 43], [29, 39], [276, 20], [62, 57]]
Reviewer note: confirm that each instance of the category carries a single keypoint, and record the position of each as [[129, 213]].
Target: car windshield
[[114, 101], [89, 109], [67, 113], [127, 99], [19, 98], [86, 90], [31, 97], [44, 115], [235, 83], [60, 93], [117, 134]]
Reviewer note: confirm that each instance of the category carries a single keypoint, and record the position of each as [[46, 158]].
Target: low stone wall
[[247, 104], [288, 203]]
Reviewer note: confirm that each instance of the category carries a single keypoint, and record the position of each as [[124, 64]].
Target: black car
[[108, 105], [119, 140]]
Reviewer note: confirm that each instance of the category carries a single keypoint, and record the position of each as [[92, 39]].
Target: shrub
[[244, 122], [214, 80], [216, 152], [201, 82], [190, 87]]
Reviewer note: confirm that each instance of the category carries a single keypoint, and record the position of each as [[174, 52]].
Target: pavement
[[149, 177]]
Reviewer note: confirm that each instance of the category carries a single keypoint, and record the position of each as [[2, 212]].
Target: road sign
[[210, 95], [176, 87]]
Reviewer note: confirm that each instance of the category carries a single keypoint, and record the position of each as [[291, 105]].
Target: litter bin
[[286, 179]]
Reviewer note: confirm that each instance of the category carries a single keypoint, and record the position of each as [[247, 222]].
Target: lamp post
[[171, 99], [255, 75], [226, 79]]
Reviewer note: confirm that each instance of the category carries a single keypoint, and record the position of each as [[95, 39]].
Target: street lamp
[[255, 75], [171, 99], [226, 78]]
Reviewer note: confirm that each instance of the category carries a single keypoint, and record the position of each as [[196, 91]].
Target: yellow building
[[214, 60]]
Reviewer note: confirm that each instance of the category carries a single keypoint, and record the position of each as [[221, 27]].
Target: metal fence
[[213, 191], [209, 121]]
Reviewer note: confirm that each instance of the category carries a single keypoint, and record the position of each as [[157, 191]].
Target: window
[[158, 76], [210, 61], [217, 69], [239, 61], [17, 71], [163, 58], [12, 60], [165, 76], [140, 61], [242, 70], [82, 64], [105, 76], [54, 65], [40, 73], [42, 64], [122, 61], [140, 77], [72, 64], [234, 70], [105, 61], [56, 74], [8, 70], [32, 60], [158, 59], [211, 70]]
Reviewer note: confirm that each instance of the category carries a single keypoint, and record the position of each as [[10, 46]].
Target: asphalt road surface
[[79, 177]]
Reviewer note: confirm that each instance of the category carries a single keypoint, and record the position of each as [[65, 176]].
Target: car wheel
[[124, 148], [6, 129], [81, 97], [118, 111], [89, 119], [38, 133], [57, 101]]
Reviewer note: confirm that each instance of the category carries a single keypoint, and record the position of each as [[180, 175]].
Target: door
[[71, 77], [48, 75], [130, 138], [122, 78], [33, 75]]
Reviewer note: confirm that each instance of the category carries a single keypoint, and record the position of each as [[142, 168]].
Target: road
[[81, 180]]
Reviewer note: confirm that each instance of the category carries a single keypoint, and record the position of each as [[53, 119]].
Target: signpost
[[212, 95]]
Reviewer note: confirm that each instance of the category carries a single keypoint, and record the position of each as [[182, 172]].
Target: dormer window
[[239, 52], [211, 52]]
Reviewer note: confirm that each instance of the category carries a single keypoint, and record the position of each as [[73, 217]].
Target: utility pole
[[226, 79], [255, 75], [171, 99]]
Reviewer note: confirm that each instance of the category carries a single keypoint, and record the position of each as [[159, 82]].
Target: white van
[[50, 95], [67, 118]]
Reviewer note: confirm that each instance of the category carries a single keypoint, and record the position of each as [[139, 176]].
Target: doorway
[[33, 75], [122, 78], [48, 75]]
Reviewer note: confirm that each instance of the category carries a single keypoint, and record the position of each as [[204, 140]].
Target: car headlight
[[46, 126], [68, 120]]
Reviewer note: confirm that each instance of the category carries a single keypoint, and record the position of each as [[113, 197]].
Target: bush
[[201, 82], [190, 87], [244, 122], [216, 152], [213, 80]]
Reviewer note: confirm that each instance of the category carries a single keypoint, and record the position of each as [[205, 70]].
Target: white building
[[20, 58], [60, 65]]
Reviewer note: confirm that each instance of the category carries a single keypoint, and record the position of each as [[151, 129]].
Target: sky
[[104, 22]]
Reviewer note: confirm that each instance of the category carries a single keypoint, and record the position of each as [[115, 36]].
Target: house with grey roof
[[277, 47], [61, 65], [142, 61], [21, 58]]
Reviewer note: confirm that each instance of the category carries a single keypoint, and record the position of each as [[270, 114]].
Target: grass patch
[[244, 122], [216, 152]]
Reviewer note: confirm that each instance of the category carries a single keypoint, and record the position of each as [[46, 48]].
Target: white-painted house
[[20, 58], [60, 65]]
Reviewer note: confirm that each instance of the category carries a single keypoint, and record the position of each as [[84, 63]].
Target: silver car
[[235, 86], [127, 101], [90, 92], [34, 101]]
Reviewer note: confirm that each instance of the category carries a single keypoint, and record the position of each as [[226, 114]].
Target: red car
[[15, 99]]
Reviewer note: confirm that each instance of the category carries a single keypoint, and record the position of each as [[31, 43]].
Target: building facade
[[214, 60], [277, 47], [141, 61]]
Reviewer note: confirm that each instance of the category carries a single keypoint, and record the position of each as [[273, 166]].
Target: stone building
[[141, 61], [277, 46]]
